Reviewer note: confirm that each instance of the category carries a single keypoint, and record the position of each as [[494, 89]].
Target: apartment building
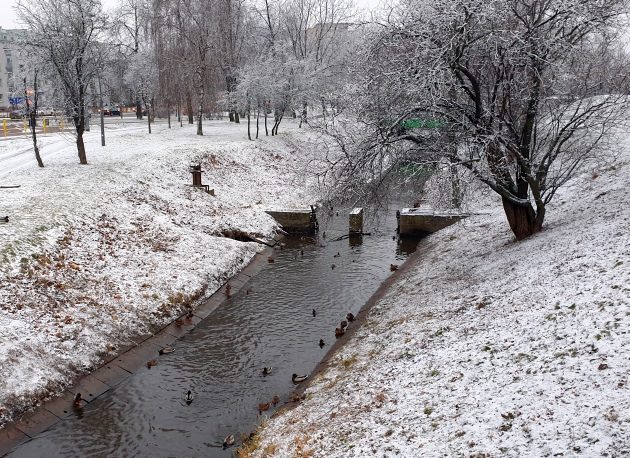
[[10, 65]]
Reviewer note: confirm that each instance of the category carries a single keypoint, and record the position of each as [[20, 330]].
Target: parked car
[[17, 114], [46, 111], [111, 111]]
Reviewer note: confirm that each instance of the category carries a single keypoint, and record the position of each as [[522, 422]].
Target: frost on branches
[[521, 93]]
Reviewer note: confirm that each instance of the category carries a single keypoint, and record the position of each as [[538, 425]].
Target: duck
[[350, 317], [166, 350], [189, 315], [189, 397], [301, 252], [271, 260], [151, 363], [298, 378], [332, 266], [275, 400], [267, 370], [179, 322], [393, 267], [78, 400], [228, 290], [339, 332], [337, 255], [314, 312], [321, 343], [263, 407], [228, 441], [343, 324]]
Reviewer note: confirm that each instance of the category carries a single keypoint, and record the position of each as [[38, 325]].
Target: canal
[[269, 322]]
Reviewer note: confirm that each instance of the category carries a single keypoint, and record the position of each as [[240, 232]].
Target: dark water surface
[[221, 360]]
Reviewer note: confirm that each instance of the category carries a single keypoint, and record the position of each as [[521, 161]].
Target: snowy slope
[[487, 347], [96, 254]]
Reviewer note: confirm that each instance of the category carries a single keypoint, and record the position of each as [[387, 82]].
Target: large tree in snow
[[64, 33], [518, 92]]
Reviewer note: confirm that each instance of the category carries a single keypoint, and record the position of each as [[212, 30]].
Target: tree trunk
[[523, 219], [138, 109], [257, 120], [32, 114], [304, 116], [249, 132], [266, 129], [189, 107], [237, 118], [200, 112], [80, 144], [148, 115]]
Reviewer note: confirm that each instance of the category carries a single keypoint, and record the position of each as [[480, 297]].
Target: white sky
[[9, 20]]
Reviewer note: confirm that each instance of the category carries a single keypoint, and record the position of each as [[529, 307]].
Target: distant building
[[10, 65]]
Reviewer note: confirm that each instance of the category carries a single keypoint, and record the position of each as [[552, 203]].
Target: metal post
[[100, 91]]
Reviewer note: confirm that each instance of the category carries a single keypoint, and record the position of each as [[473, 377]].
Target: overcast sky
[[8, 18]]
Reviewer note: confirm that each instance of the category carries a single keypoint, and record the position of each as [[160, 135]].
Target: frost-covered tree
[[521, 93], [142, 76], [31, 112], [64, 34], [315, 32], [129, 30]]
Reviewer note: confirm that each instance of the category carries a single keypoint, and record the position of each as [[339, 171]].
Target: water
[[268, 323]]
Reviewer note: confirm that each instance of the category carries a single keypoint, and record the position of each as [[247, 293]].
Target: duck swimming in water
[[228, 441], [267, 370], [350, 317], [339, 332], [263, 407], [275, 400], [166, 350], [321, 343], [298, 378], [189, 397], [78, 400]]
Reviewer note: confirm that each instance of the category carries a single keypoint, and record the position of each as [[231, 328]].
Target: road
[[16, 150]]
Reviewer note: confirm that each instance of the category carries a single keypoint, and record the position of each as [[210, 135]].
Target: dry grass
[[347, 363], [300, 447]]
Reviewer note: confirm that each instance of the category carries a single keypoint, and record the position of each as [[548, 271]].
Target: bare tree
[[129, 29], [315, 30], [512, 91], [31, 113], [64, 33], [143, 77]]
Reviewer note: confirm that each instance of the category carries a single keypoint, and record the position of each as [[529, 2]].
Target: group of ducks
[[341, 330], [263, 406]]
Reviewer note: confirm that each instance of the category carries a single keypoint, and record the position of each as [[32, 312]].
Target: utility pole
[[100, 92]]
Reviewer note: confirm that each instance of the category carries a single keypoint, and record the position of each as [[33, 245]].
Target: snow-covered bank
[[96, 254], [487, 347]]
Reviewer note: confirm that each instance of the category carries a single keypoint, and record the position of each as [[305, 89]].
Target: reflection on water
[[269, 323]]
